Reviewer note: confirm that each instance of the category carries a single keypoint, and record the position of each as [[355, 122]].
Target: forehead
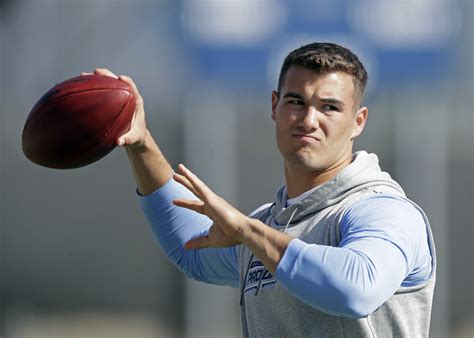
[[309, 83]]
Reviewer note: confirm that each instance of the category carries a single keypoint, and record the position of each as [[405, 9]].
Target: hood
[[363, 172]]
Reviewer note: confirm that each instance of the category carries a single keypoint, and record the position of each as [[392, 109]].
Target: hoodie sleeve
[[383, 246], [173, 226]]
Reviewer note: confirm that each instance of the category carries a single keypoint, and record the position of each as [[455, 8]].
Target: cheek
[[342, 125], [281, 134], [285, 121]]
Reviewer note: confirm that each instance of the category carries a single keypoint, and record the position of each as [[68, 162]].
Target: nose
[[309, 121]]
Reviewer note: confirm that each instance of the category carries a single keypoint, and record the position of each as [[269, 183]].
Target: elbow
[[187, 262], [361, 293], [184, 261], [350, 301], [357, 311], [357, 303]]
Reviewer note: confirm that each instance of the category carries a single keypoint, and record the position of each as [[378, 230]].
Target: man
[[341, 252]]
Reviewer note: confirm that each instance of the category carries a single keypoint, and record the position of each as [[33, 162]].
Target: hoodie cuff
[[286, 268]]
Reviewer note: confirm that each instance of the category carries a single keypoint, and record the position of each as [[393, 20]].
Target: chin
[[307, 164]]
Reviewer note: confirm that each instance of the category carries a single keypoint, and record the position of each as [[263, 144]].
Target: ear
[[275, 98], [359, 122]]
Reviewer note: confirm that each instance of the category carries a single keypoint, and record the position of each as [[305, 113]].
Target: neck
[[299, 180]]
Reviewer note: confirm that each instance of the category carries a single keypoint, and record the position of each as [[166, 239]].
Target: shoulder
[[391, 218], [380, 203], [388, 201], [395, 220], [384, 211]]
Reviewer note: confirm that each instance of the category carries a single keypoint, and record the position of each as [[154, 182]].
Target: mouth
[[306, 138]]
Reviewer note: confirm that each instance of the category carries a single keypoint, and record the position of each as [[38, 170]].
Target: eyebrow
[[294, 95], [334, 101], [329, 100]]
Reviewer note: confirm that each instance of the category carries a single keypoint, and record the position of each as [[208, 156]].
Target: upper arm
[[393, 225]]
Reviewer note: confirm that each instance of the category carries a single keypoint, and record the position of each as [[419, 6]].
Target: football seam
[[111, 127], [89, 90], [79, 92]]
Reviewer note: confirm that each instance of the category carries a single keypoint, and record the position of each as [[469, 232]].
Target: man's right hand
[[150, 167], [136, 135]]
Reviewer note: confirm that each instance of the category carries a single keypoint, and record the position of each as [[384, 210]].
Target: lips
[[306, 138]]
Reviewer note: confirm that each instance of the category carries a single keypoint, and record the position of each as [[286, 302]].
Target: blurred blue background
[[77, 258]]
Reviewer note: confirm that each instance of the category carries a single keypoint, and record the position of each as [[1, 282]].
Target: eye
[[330, 107], [296, 102]]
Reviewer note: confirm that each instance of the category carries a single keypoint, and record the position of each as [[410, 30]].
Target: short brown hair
[[324, 58]]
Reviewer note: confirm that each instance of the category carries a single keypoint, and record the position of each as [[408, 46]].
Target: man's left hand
[[228, 221]]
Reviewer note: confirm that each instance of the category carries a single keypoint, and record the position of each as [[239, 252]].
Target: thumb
[[198, 243], [129, 138]]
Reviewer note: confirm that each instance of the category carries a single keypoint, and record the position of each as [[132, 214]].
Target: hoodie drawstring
[[289, 220]]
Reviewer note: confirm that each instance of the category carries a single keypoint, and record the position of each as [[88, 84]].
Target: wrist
[[248, 230], [266, 243], [149, 166]]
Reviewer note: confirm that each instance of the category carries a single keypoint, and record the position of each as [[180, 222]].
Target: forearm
[[266, 243], [150, 168], [173, 227], [351, 282]]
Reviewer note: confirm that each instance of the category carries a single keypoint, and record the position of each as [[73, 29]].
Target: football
[[78, 121]]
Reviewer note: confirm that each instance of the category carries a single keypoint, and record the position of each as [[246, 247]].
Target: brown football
[[78, 121]]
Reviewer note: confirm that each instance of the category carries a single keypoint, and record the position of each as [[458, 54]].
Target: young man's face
[[315, 119]]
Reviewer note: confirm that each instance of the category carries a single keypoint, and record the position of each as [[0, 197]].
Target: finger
[[194, 205], [128, 138], [199, 186], [84, 74], [132, 85], [105, 72], [198, 243], [187, 183]]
